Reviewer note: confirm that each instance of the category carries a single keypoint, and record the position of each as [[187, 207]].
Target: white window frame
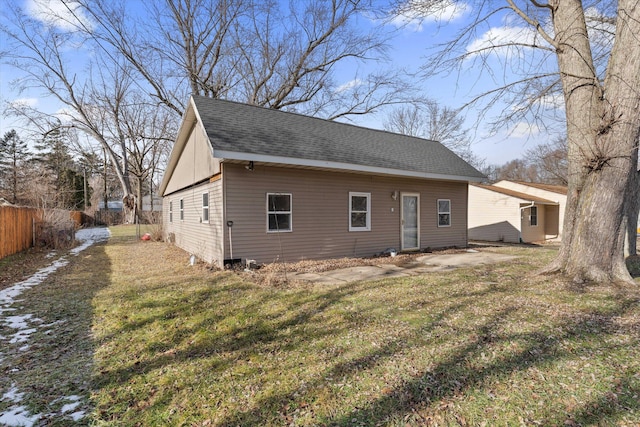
[[171, 211], [205, 208], [444, 212], [289, 212], [531, 215], [181, 209], [367, 227]]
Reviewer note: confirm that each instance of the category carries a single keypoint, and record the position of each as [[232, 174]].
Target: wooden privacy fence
[[16, 229]]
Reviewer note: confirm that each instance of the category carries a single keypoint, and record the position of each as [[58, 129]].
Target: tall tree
[[432, 121], [551, 162], [276, 54], [65, 180], [14, 152], [592, 56]]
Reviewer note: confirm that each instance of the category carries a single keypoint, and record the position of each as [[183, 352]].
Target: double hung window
[[279, 212]]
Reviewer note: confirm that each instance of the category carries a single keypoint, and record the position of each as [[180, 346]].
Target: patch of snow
[[18, 416], [69, 407], [22, 335], [89, 236], [17, 322], [13, 395], [76, 416], [24, 347]]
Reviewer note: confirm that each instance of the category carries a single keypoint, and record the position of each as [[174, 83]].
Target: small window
[[359, 211], [444, 213], [278, 212], [205, 207], [181, 209], [170, 211], [533, 217]]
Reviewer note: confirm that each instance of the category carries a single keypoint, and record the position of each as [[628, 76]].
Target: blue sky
[[408, 49]]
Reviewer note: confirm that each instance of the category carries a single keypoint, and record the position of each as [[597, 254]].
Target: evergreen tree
[[14, 152], [66, 180]]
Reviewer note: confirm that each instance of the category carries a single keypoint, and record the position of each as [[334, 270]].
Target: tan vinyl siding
[[195, 163], [201, 239], [320, 213], [493, 216], [533, 233]]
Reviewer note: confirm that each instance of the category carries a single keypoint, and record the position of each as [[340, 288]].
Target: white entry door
[[410, 221]]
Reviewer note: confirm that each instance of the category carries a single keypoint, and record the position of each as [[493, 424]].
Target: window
[[205, 207], [278, 212], [444, 213], [533, 216], [359, 211], [181, 210], [170, 211]]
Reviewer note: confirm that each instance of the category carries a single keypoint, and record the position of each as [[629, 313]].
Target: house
[[512, 211], [250, 183], [151, 203]]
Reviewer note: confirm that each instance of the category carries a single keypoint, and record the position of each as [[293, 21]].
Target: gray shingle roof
[[240, 128]]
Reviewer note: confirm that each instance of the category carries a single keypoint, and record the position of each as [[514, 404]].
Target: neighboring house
[[250, 183], [148, 206], [112, 205], [511, 211]]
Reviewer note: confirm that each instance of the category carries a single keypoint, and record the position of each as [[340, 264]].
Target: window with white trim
[[205, 207], [181, 209], [279, 212], [170, 211], [359, 211], [533, 216], [444, 213]]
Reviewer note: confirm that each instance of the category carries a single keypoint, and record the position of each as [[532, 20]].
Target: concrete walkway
[[421, 265]]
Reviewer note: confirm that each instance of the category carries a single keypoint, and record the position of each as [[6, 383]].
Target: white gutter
[[323, 164]]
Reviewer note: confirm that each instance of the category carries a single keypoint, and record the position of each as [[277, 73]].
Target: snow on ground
[[26, 324]]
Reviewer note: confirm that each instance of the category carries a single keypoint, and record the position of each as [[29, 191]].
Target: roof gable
[[234, 129]]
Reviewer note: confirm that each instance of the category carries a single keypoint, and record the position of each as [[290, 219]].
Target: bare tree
[[592, 57], [551, 162], [101, 98], [280, 55], [431, 121]]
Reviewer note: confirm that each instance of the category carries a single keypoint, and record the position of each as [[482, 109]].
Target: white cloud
[[24, 102], [416, 13], [65, 115], [524, 130], [66, 15], [498, 39], [553, 101], [348, 85]]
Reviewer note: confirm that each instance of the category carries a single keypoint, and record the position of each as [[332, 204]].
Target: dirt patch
[[320, 266]]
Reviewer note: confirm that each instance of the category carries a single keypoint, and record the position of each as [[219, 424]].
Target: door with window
[[410, 221]]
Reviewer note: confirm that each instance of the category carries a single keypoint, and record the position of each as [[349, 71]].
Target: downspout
[[224, 211], [520, 230]]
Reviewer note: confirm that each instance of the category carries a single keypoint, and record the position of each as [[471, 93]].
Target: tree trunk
[[602, 134]]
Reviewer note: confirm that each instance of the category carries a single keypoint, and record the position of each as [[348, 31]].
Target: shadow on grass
[[53, 367], [413, 400], [227, 325]]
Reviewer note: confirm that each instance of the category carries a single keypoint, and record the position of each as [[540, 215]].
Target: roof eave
[[323, 164]]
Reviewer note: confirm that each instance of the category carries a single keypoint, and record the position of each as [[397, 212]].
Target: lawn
[[172, 344]]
